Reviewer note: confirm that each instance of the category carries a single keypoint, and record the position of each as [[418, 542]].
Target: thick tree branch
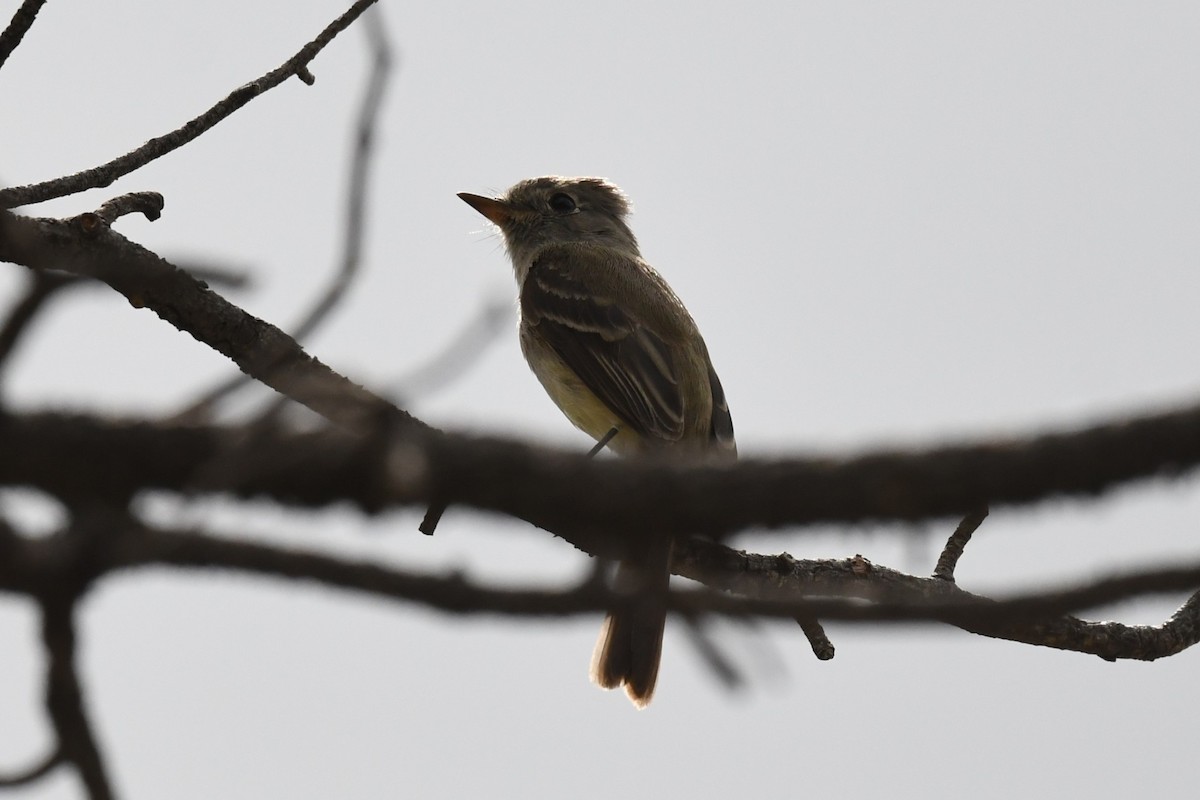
[[569, 494], [105, 174]]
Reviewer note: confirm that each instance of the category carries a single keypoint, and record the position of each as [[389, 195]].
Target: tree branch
[[952, 552], [18, 27], [771, 584], [570, 495], [86, 246], [64, 698], [740, 585], [38, 771], [355, 212], [148, 204], [105, 174]]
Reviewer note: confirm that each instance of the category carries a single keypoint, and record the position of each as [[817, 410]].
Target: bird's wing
[[625, 363], [722, 420]]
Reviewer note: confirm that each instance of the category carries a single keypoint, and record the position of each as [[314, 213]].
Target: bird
[[621, 357]]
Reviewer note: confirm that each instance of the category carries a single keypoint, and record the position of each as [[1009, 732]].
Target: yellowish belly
[[574, 399]]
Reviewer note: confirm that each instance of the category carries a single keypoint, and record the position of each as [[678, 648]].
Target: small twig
[[958, 540], [433, 515], [821, 646], [38, 770], [18, 27], [105, 174], [149, 204]]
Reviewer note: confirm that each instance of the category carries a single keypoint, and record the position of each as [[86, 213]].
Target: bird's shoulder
[[623, 285]]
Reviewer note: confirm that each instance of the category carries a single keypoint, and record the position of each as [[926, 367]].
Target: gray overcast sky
[[892, 221]]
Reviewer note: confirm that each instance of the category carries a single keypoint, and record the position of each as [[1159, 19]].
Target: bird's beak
[[497, 211]]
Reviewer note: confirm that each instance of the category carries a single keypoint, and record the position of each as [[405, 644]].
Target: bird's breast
[[580, 405]]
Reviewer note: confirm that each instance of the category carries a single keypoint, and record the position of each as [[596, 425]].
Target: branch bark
[[568, 494], [20, 24], [740, 585]]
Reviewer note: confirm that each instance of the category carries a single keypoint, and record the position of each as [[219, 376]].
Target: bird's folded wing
[[722, 420], [625, 363]]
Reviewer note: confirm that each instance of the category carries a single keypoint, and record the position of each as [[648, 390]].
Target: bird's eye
[[562, 203]]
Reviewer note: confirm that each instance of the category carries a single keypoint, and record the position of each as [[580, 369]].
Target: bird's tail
[[630, 644]]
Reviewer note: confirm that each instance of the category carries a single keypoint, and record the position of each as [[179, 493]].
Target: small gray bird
[[615, 349]]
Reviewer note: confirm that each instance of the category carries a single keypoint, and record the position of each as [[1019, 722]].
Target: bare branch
[[813, 631], [105, 174], [357, 192], [149, 204], [763, 585], [64, 697], [409, 462], [355, 214], [44, 284], [18, 27], [957, 542], [770, 585], [570, 495], [141, 546], [433, 514], [85, 246], [823, 586]]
